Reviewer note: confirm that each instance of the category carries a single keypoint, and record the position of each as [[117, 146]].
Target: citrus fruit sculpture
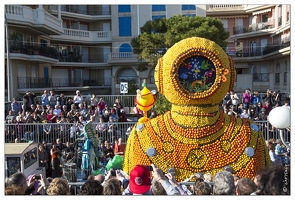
[[145, 100], [195, 135]]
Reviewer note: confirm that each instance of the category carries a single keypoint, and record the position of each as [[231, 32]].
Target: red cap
[[140, 179]]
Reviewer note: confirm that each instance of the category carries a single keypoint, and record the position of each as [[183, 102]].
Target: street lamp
[[280, 118]]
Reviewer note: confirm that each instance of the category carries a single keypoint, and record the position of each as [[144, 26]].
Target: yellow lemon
[[146, 100]]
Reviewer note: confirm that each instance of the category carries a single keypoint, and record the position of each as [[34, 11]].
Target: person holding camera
[[246, 99], [27, 186], [52, 99], [29, 99], [78, 99]]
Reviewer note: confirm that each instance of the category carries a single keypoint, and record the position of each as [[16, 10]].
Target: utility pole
[[8, 61]]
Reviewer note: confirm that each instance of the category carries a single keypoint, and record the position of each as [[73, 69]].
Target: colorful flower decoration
[[195, 136]]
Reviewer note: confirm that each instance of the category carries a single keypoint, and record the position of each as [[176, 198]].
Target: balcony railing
[[30, 49], [123, 55], [223, 6], [254, 27], [84, 58], [35, 17], [258, 51], [261, 77], [34, 82], [85, 10], [99, 58], [276, 46], [130, 79], [246, 52], [86, 36]]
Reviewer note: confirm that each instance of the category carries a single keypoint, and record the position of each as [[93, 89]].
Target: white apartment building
[[87, 47]]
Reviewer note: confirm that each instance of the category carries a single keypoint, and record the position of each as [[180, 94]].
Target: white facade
[[92, 56]]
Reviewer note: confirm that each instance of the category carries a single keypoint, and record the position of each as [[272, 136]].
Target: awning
[[241, 65], [230, 17], [283, 28], [262, 11]]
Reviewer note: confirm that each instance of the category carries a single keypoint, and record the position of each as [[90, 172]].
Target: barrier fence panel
[[49, 132]]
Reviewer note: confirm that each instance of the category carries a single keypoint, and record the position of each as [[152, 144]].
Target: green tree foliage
[[159, 35], [162, 104]]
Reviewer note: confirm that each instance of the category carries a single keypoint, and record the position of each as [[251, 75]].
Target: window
[[188, 7], [125, 51], [124, 8], [288, 13], [285, 77], [127, 75], [280, 15], [152, 78], [225, 24], [30, 158], [125, 48], [30, 40], [43, 43], [239, 49], [277, 78], [264, 18], [158, 7], [124, 26], [13, 165], [190, 15], [277, 74], [158, 17]]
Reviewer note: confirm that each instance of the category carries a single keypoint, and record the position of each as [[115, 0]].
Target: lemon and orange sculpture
[[145, 100], [195, 135]]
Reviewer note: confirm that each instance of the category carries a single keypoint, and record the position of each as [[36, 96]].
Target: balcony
[[254, 27], [73, 35], [37, 19], [261, 77], [284, 43], [32, 51], [223, 7], [34, 82], [122, 57], [84, 58], [258, 51], [93, 10]]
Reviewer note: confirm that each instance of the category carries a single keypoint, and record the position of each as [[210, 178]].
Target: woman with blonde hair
[[58, 186], [112, 187]]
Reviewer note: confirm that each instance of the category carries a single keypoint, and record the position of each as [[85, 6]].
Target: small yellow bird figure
[[196, 71], [145, 100]]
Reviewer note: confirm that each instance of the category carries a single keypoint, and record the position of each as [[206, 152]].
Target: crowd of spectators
[[141, 181], [274, 180], [253, 106], [59, 109]]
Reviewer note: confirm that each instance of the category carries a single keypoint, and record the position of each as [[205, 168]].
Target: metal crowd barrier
[[49, 132]]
